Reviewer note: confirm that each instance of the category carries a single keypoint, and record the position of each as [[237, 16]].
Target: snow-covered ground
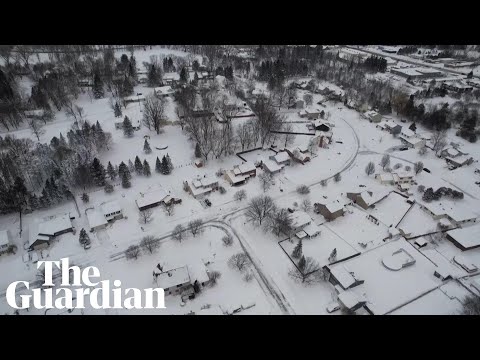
[[360, 243]]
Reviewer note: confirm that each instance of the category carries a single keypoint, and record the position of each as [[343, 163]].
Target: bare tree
[[385, 161], [24, 52], [239, 261], [438, 140], [421, 188], [418, 166], [337, 177], [149, 243], [153, 113], [307, 273], [244, 134], [471, 305], [306, 205], [259, 208], [213, 276], [422, 151], [279, 222], [289, 137], [6, 53], [227, 240], [240, 195], [265, 180], [370, 168], [268, 119], [303, 189], [312, 146], [132, 252], [74, 111], [36, 127], [195, 226], [145, 216], [178, 233], [308, 98]]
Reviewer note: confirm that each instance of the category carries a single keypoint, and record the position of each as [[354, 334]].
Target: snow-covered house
[[48, 230], [372, 116], [134, 99], [34, 114], [395, 178], [414, 142], [366, 199], [107, 212], [341, 275], [330, 210], [235, 180], [299, 154], [407, 133], [174, 281], [459, 161], [457, 215], [164, 91], [451, 152], [281, 158], [271, 167], [300, 219], [155, 198], [310, 114], [5, 241], [200, 186], [466, 238]]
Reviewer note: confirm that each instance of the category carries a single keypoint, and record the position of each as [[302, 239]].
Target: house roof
[[385, 177], [272, 166], [95, 218], [467, 237], [350, 299], [282, 156], [5, 237], [110, 207], [300, 218], [370, 197], [55, 225], [247, 167], [311, 229], [235, 178], [151, 197], [407, 132], [163, 90], [198, 271], [173, 277], [413, 140], [343, 275], [334, 206]]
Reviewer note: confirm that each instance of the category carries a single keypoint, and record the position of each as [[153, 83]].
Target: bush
[[421, 188], [240, 195], [227, 240], [85, 198], [303, 189], [219, 172], [108, 188], [337, 177], [248, 276], [397, 166], [324, 182], [132, 252], [408, 168], [222, 190], [214, 276]]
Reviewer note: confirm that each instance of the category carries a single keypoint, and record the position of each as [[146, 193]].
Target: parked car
[[403, 148], [290, 210], [425, 169], [207, 202]]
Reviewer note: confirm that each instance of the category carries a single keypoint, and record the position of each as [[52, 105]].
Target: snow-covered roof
[[300, 218], [421, 241], [55, 225], [96, 218], [134, 98], [208, 181], [426, 70], [151, 197], [235, 179], [334, 206], [281, 157], [407, 71], [163, 90], [247, 167], [110, 207], [5, 237], [343, 275], [38, 112], [311, 229], [198, 271], [301, 234], [407, 132], [467, 237], [173, 277], [385, 177], [350, 299], [370, 197], [371, 113], [445, 222], [461, 160], [454, 211], [272, 166], [465, 263], [412, 140], [452, 151]]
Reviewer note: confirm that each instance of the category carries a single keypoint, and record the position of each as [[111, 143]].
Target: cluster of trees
[[375, 64], [225, 71], [430, 194], [406, 50], [168, 65], [278, 70]]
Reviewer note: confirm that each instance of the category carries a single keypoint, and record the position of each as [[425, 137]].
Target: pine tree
[[45, 201], [98, 92], [85, 198], [146, 147], [138, 166], [117, 110], [131, 167], [164, 168], [121, 169], [127, 127], [98, 172], [111, 171], [297, 251], [126, 179], [158, 165], [127, 87], [84, 239], [302, 263], [146, 168], [183, 75], [169, 162], [413, 127], [198, 153], [153, 76]]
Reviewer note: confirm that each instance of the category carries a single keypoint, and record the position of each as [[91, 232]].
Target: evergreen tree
[[117, 110], [146, 168], [183, 75], [413, 127], [297, 251], [121, 169], [84, 239], [100, 137], [169, 162], [302, 263], [158, 165], [20, 193], [45, 201], [126, 179], [195, 78], [470, 75], [164, 167], [131, 167], [98, 172], [98, 92], [127, 87], [198, 153], [146, 147], [127, 127], [111, 171], [153, 76], [85, 198], [138, 166]]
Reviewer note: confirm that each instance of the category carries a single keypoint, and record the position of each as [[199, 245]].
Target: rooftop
[[282, 156], [151, 197], [467, 237], [300, 218], [110, 207], [272, 166], [5, 237], [95, 218], [55, 225], [173, 277]]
